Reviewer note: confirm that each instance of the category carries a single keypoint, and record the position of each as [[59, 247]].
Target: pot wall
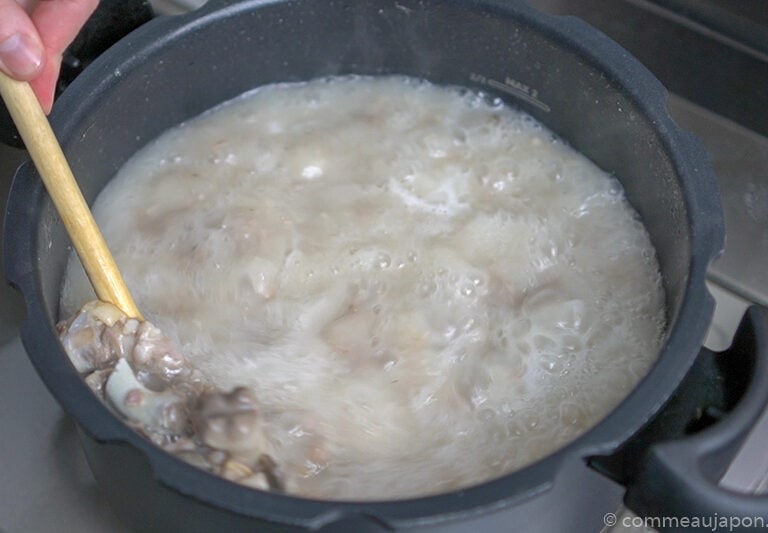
[[568, 76]]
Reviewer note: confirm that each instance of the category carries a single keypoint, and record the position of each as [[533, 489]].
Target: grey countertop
[[45, 483]]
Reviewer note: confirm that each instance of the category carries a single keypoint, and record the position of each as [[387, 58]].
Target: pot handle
[[112, 20], [678, 479]]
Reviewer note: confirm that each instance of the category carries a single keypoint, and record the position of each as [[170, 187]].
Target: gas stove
[[711, 54]]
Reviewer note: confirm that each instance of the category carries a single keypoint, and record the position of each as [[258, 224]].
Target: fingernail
[[22, 55]]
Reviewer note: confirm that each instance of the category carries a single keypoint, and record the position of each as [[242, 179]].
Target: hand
[[33, 37]]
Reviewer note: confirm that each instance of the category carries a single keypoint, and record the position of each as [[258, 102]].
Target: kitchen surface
[[45, 484]]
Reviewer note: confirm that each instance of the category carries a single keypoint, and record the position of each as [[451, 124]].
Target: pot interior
[[173, 69]]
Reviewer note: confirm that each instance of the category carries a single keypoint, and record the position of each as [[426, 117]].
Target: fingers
[[31, 45], [21, 49], [44, 85], [58, 22]]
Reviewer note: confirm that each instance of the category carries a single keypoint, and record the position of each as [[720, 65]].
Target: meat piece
[[148, 381], [232, 422], [263, 474], [97, 336], [163, 412], [133, 365], [100, 334], [97, 379], [158, 361]]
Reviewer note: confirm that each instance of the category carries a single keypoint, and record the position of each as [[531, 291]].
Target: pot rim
[[648, 396]]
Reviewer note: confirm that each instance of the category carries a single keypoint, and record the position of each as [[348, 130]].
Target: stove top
[[45, 484]]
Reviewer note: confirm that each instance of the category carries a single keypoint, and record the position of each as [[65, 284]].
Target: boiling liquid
[[437, 287]]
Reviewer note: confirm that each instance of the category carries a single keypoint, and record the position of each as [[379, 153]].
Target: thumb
[[21, 50]]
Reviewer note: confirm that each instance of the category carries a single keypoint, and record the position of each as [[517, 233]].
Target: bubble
[[647, 254], [530, 421], [383, 261], [551, 364], [515, 428], [571, 343], [312, 172], [427, 288]]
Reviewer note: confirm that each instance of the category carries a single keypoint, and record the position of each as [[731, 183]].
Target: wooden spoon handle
[[45, 151]]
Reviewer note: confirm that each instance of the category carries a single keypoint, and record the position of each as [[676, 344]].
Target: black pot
[[566, 74]]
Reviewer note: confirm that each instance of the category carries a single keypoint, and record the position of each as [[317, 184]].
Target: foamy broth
[[444, 289]]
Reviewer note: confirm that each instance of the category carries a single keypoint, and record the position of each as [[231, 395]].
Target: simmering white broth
[[424, 288]]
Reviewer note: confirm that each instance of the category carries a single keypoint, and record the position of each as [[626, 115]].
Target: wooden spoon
[[46, 153]]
